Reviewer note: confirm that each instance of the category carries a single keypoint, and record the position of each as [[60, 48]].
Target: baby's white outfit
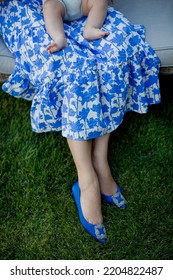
[[73, 9]]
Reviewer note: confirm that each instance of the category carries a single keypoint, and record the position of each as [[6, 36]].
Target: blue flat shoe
[[116, 199], [98, 230]]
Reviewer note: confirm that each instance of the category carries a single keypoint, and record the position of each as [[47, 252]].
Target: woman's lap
[[85, 89]]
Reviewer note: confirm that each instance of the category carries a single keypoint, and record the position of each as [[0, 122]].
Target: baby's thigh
[[85, 7]]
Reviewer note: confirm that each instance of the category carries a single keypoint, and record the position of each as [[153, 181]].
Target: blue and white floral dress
[[85, 89]]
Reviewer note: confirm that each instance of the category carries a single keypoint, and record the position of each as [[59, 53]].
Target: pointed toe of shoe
[[116, 199]]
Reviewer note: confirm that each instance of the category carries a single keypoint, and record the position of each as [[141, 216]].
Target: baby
[[55, 11]]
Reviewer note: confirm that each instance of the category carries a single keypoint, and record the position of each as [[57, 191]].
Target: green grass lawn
[[38, 217]]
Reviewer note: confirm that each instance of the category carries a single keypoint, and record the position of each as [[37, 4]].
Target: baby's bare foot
[[57, 45], [92, 33]]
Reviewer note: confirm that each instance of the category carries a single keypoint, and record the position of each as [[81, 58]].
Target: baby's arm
[[53, 12]]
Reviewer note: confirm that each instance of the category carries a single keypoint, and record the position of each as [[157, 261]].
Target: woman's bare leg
[[88, 181], [101, 165], [53, 12], [96, 11]]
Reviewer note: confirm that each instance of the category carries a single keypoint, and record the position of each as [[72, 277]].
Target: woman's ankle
[[106, 181], [91, 199], [88, 179]]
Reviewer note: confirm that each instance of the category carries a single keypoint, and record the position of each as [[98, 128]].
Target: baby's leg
[[96, 11], [54, 12]]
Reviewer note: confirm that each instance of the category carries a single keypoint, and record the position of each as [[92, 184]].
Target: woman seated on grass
[[83, 90]]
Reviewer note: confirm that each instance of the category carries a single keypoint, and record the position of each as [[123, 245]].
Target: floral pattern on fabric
[[85, 89]]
